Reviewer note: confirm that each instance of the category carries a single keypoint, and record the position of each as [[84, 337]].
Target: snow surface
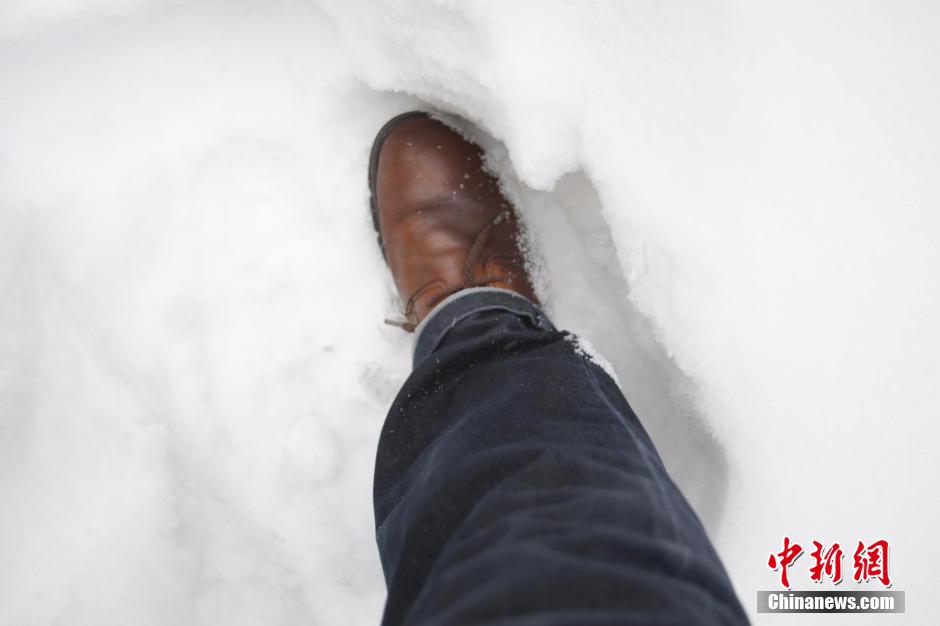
[[736, 203]]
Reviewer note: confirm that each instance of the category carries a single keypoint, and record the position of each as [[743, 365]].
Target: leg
[[514, 485]]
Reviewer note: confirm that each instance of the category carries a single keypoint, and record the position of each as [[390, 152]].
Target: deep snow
[[736, 203]]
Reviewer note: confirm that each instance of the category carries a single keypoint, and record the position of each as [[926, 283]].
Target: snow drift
[[735, 203]]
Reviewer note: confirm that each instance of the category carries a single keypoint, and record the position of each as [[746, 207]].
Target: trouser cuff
[[457, 307]]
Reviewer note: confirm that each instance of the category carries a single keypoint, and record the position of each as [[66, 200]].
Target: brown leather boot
[[443, 223]]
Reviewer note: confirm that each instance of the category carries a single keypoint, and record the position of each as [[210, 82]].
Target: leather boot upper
[[443, 222]]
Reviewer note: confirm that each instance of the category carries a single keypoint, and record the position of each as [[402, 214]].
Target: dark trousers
[[514, 485]]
